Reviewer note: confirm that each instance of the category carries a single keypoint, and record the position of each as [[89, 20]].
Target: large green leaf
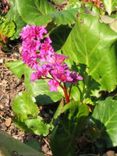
[[65, 17], [9, 146], [35, 11], [41, 12], [93, 43], [110, 5], [105, 118], [24, 107], [26, 112], [68, 129], [58, 2], [44, 6]]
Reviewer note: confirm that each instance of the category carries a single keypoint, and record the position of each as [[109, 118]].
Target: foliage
[[7, 30], [88, 48], [9, 146], [68, 129], [107, 119], [27, 113], [87, 34]]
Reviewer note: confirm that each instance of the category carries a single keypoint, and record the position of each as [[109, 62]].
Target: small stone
[[1, 61], [8, 122]]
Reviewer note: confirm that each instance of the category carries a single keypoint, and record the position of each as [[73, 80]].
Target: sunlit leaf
[[24, 107], [38, 126], [104, 116], [93, 43]]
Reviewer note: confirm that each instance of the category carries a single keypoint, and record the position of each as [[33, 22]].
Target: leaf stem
[[67, 97]]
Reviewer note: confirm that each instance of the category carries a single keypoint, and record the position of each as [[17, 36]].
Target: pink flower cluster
[[38, 53]]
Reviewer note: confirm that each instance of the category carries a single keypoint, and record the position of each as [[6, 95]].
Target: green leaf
[[75, 93], [93, 43], [44, 6], [58, 2], [35, 11], [59, 110], [68, 129], [38, 126], [104, 116], [40, 89], [34, 143], [17, 67], [7, 27], [13, 15], [65, 17], [11, 145], [110, 5], [41, 12], [24, 107]]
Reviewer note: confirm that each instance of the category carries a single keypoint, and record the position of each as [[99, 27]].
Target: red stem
[[66, 94]]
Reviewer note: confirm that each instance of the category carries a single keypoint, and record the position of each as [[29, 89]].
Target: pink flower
[[58, 71], [53, 85], [46, 51], [38, 53], [35, 76], [75, 77], [33, 32], [56, 58]]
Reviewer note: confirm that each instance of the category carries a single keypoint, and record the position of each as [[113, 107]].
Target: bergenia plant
[[38, 54], [84, 34]]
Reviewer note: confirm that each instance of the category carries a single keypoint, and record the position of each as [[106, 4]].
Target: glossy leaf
[[35, 11], [65, 17], [17, 67], [44, 6], [41, 12], [104, 116], [24, 107], [93, 43]]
